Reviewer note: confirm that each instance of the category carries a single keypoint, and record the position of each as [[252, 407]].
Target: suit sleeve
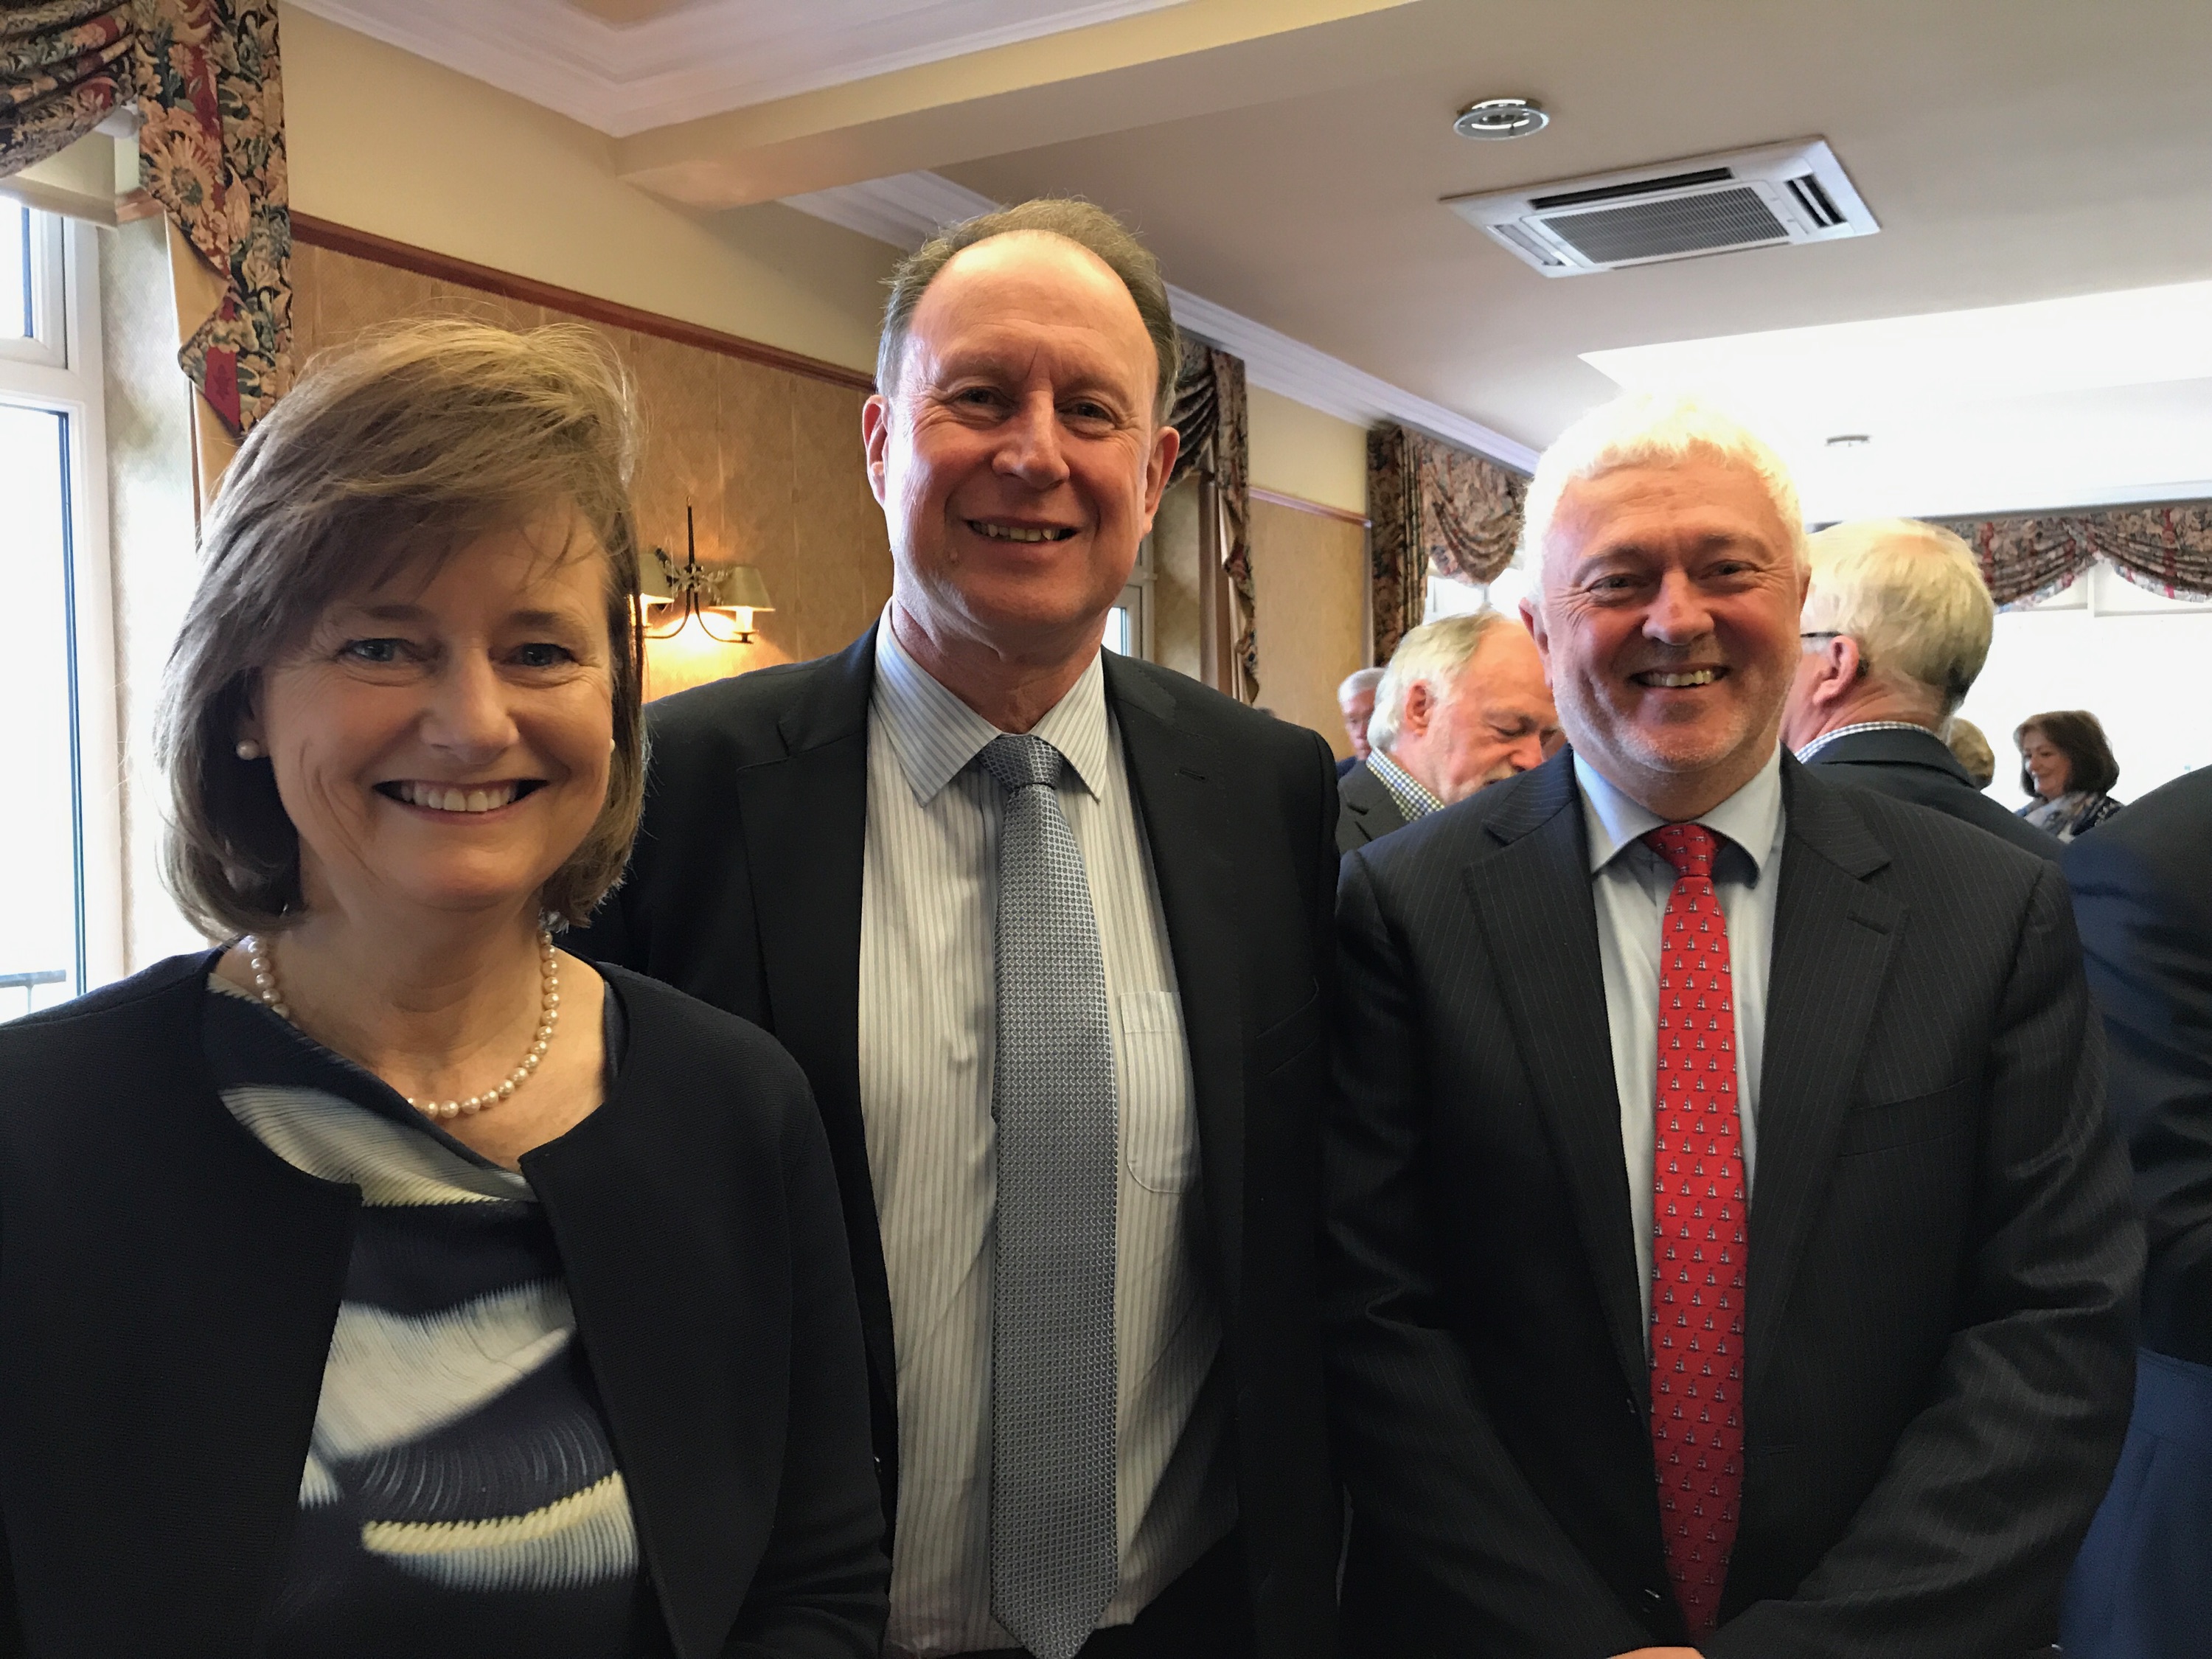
[[1434, 1492], [821, 1589], [1962, 1546], [2147, 942]]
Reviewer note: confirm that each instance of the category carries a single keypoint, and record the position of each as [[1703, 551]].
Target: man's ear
[[1532, 619], [875, 439], [1421, 704], [1841, 666], [1159, 466]]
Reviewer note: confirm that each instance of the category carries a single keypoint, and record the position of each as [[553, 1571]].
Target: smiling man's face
[[1018, 460], [1668, 629]]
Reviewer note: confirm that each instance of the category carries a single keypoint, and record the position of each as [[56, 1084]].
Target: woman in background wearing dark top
[[387, 1282], [2067, 767]]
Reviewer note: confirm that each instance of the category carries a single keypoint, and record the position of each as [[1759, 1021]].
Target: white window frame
[[47, 344], [1137, 599], [60, 370]]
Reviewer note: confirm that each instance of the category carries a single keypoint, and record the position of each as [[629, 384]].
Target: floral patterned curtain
[[2166, 548], [1210, 417], [1436, 508], [205, 75]]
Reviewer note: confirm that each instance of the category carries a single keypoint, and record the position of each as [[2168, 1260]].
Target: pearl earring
[[248, 750]]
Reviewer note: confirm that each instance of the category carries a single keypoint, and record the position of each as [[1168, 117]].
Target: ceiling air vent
[[1709, 205]]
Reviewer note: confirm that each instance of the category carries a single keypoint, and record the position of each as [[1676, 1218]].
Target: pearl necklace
[[272, 996]]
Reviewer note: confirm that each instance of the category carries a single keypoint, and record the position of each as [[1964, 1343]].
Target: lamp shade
[[744, 590]]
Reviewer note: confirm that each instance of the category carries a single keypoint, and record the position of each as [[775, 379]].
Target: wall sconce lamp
[[704, 594]]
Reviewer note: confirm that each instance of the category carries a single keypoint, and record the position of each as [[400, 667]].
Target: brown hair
[[2077, 734], [1083, 223], [395, 453]]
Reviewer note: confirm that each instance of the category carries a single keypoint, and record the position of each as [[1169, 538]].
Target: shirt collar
[[1415, 800], [1750, 819], [1827, 737], [935, 735]]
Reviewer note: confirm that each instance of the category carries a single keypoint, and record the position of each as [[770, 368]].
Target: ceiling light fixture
[[1849, 440], [1501, 118]]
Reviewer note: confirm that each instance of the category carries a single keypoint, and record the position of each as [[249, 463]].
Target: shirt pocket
[[1159, 1127]]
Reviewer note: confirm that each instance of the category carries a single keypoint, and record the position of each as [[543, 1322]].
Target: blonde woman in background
[[385, 1281]]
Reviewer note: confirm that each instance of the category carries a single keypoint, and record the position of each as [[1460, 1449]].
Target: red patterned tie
[[1698, 1227]]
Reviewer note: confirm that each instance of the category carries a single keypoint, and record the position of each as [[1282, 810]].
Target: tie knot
[[1020, 760], [1688, 847]]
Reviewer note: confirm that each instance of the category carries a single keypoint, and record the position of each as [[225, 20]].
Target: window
[[60, 842], [1129, 623]]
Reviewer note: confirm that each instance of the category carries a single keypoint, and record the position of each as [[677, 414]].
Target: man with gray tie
[[1049, 930]]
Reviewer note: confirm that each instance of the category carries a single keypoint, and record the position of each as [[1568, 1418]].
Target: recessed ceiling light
[[1501, 118], [1849, 440]]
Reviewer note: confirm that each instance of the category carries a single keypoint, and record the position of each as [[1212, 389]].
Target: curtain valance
[[2166, 548], [204, 76], [1435, 507]]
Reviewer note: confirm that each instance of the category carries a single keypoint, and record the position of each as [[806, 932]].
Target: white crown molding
[[701, 59], [905, 209]]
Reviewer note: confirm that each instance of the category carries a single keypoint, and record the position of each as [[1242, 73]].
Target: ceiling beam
[[1198, 57]]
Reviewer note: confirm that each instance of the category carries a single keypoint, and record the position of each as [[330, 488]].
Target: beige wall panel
[[770, 462], [1302, 452], [1309, 579]]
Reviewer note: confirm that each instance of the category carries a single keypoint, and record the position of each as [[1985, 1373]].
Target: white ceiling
[[625, 66], [2014, 152]]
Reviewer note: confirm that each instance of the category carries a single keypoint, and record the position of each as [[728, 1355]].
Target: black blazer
[[1369, 811], [169, 1287], [1919, 767], [1939, 1346], [746, 890], [2142, 895]]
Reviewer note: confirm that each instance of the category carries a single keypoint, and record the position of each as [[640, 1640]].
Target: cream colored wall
[[385, 141], [1308, 585], [1304, 452]]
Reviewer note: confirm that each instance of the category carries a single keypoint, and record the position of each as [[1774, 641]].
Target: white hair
[[1650, 429], [1433, 655], [1912, 594], [1358, 680]]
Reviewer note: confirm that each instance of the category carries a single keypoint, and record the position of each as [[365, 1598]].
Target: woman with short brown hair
[[2067, 767], [386, 1282]]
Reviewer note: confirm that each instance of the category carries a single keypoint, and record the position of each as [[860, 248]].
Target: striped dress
[[461, 1495]]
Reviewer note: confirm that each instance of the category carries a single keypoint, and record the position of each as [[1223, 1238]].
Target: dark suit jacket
[[746, 890], [1919, 767], [168, 1287], [1939, 1346], [1369, 810], [2142, 895], [1347, 764]]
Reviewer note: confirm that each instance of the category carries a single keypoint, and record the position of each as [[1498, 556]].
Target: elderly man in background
[[1355, 701], [1729, 1253], [1896, 625], [1048, 929], [1462, 705]]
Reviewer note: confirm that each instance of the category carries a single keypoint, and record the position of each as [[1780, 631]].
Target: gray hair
[[1650, 429], [1434, 654], [1911, 595], [1089, 227], [1358, 680], [391, 455]]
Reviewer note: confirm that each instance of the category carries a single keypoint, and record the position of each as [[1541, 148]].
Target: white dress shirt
[[1630, 883], [928, 906]]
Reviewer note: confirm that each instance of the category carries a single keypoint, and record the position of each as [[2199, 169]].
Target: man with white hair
[[1896, 625], [1355, 701], [1728, 1253], [1462, 705]]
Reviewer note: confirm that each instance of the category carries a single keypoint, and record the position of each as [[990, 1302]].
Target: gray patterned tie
[[1053, 1560]]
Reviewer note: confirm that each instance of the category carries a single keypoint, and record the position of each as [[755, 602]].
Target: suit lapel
[[1533, 897], [1833, 934], [805, 819], [1183, 806]]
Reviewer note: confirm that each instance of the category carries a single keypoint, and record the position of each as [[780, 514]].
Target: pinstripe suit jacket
[[1942, 1259], [744, 891]]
